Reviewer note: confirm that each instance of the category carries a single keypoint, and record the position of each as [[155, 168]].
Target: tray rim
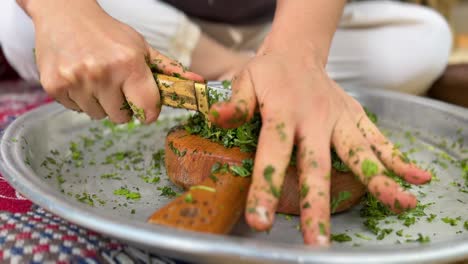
[[174, 242]]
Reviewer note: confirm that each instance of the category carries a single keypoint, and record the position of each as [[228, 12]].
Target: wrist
[[310, 54]]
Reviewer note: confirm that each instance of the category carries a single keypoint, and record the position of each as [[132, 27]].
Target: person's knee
[[418, 57]]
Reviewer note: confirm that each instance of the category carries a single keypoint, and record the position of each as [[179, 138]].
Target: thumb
[[240, 108]]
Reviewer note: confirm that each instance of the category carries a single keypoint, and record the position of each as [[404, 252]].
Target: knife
[[182, 93]]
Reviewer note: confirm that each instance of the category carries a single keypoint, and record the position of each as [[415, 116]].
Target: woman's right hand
[[90, 62]]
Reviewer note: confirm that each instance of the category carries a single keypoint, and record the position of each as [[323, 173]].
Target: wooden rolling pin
[[214, 203]]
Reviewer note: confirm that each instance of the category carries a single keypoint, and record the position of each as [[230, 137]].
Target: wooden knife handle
[[213, 206], [181, 93]]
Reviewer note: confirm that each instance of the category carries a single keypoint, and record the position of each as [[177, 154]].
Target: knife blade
[[187, 94]]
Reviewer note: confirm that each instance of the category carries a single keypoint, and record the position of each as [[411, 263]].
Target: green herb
[[244, 170], [113, 176], [337, 163], [465, 225], [361, 236], [226, 84], [203, 187], [128, 194], [138, 112], [245, 137], [410, 137], [85, 198], [268, 175], [167, 191], [409, 221], [149, 179], [431, 218], [384, 232], [369, 168], [188, 198], [304, 190], [280, 129], [176, 150], [371, 115], [342, 196], [340, 238], [451, 221], [421, 239], [322, 229], [399, 232]]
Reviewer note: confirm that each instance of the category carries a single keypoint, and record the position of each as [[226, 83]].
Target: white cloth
[[378, 45]]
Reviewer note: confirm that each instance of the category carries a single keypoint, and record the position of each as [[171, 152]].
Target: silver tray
[[436, 126]]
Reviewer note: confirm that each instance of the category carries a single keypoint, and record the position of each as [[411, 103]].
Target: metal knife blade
[[181, 93]]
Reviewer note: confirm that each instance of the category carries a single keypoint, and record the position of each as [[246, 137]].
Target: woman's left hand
[[300, 105]]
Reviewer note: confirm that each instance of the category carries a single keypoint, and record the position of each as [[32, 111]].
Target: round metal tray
[[29, 139]]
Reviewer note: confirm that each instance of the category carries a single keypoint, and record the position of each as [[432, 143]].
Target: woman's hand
[[90, 62], [300, 105]]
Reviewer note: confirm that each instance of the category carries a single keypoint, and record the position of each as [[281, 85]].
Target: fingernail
[[262, 213], [322, 240]]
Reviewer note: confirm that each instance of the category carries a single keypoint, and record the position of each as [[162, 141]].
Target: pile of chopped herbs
[[244, 137]]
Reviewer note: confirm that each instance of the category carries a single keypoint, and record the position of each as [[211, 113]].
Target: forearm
[[45, 8], [305, 26], [211, 59]]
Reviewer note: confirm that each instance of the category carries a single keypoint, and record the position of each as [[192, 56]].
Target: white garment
[[379, 44]]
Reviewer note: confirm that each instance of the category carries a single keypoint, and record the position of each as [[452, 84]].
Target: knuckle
[[94, 69], [355, 106], [126, 57], [54, 86]]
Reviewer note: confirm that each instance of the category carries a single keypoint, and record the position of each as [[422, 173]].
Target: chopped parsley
[[128, 194], [451, 221], [167, 191], [369, 168], [341, 238], [188, 198], [176, 150], [421, 239], [342, 196], [203, 187]]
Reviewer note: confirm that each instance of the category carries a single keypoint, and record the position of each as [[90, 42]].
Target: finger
[[142, 94], [57, 88], [314, 165], [162, 64], [80, 90], [354, 150], [391, 194], [114, 104], [276, 137], [66, 101], [87, 103], [390, 155], [240, 108]]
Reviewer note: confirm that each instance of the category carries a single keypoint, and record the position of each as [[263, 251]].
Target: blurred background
[[453, 84], [451, 87]]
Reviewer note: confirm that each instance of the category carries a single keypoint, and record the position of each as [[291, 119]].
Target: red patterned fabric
[[16, 98]]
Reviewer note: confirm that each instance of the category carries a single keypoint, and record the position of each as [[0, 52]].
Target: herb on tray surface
[[341, 238], [167, 191], [128, 194], [451, 221]]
